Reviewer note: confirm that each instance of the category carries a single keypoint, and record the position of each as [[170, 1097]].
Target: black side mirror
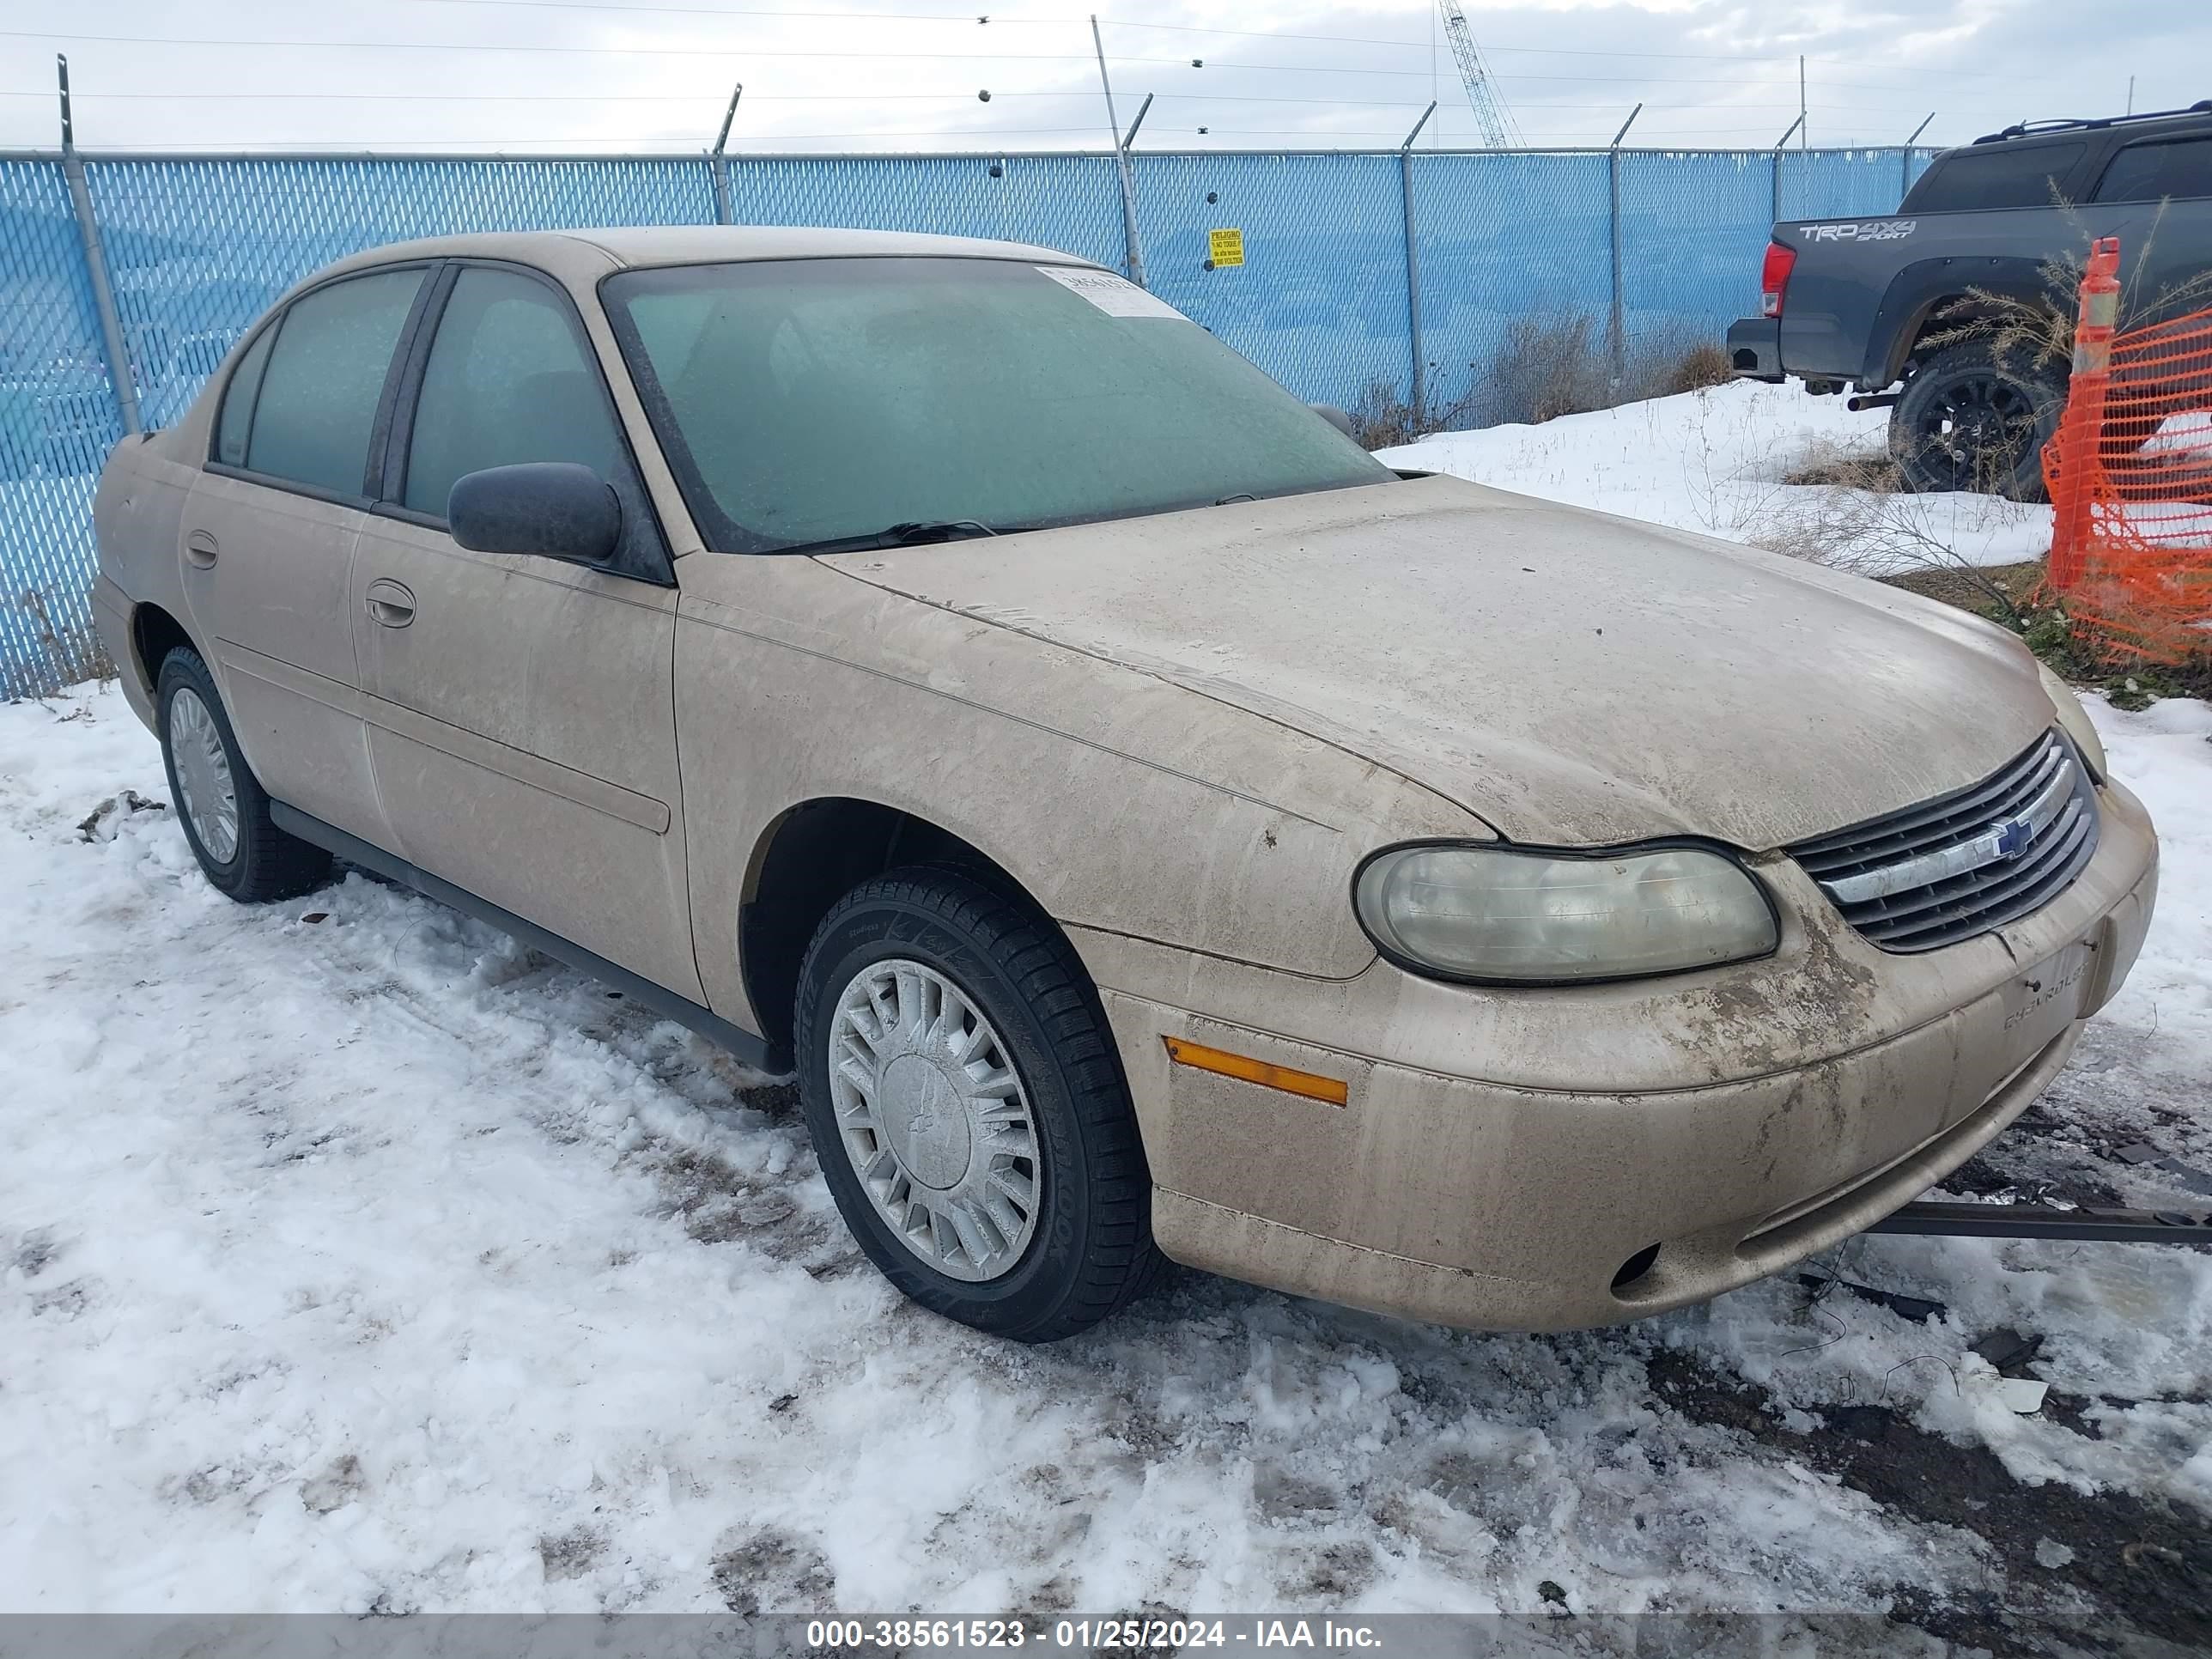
[[555, 509], [1335, 417]]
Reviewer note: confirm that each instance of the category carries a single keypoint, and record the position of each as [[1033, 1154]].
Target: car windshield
[[812, 400]]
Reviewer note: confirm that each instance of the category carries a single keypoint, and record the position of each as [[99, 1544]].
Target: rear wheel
[[224, 812], [967, 1107], [1975, 417]]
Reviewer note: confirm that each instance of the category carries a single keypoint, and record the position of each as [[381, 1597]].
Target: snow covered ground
[[355, 1259], [1716, 461]]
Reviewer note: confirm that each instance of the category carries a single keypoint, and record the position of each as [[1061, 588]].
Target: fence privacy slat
[[198, 247]]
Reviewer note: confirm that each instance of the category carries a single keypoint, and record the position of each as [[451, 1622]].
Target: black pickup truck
[[1934, 295]]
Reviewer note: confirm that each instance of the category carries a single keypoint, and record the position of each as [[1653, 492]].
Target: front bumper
[[1497, 1202], [1754, 347]]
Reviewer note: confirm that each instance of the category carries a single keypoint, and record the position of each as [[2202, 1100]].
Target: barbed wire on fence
[[1839, 82]]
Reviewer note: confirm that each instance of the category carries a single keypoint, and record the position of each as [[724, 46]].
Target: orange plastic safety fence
[[2130, 477]]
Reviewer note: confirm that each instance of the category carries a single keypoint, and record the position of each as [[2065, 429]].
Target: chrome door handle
[[200, 549], [390, 603]]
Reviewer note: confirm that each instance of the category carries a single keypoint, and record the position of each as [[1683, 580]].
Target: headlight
[[1488, 913], [2074, 720]]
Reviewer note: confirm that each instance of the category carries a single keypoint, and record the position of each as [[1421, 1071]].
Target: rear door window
[[510, 379], [1999, 176], [324, 379], [2157, 172]]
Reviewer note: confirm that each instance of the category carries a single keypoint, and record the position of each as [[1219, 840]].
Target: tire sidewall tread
[[2046, 386], [268, 864], [1092, 1251]]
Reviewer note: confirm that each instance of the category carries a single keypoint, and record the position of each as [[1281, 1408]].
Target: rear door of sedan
[[522, 710], [267, 536]]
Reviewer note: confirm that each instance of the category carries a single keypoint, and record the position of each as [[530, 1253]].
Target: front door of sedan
[[521, 711], [266, 542]]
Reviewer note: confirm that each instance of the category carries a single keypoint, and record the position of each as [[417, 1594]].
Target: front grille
[[1965, 862]]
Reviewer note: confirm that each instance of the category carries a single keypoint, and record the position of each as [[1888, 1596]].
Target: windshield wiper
[[908, 533]]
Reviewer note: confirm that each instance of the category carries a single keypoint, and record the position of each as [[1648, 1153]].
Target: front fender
[[1119, 802]]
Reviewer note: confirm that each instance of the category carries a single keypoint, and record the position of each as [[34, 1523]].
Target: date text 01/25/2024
[[1089, 1635]]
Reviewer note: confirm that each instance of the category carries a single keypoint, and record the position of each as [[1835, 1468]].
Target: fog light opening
[[1635, 1268]]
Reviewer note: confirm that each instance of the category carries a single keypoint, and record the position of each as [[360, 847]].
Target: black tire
[[267, 864], [1091, 1252], [1974, 417]]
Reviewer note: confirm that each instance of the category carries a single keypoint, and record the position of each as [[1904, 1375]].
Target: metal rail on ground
[[2085, 1224]]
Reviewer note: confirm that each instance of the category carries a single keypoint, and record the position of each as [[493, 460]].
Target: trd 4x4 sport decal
[[1879, 230]]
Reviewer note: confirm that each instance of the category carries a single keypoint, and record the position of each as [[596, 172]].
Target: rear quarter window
[[235, 424], [2178, 169], [2000, 176]]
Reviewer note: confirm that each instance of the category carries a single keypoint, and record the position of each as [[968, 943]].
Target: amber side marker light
[[1245, 1069]]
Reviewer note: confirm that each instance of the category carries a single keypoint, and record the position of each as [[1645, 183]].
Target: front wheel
[[967, 1107], [1974, 417]]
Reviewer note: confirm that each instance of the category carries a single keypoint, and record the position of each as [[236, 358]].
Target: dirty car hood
[[1571, 678]]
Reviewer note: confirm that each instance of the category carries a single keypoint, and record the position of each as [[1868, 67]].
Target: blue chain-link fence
[[195, 248], [1320, 301], [58, 419]]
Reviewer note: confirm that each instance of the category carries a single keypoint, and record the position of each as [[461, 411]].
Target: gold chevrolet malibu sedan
[[1150, 827]]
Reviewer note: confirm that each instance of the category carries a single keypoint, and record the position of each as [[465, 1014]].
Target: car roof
[[584, 256]]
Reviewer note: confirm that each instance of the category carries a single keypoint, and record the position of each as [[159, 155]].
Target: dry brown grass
[[2014, 596], [1704, 364], [1546, 367], [2016, 582], [71, 650], [1381, 419], [1849, 472]]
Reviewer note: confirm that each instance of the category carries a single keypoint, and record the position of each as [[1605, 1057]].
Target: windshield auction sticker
[[1114, 295]]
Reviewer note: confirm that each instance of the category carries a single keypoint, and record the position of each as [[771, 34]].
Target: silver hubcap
[[934, 1119], [203, 775]]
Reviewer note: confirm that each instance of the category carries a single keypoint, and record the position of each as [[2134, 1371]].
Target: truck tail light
[[1774, 277]]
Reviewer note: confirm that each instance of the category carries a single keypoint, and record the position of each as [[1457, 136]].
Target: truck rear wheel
[[1976, 417]]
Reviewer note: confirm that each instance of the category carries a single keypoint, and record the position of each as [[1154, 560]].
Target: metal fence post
[[1778, 145], [1615, 331], [1130, 241], [1905, 160], [111, 346], [1420, 388], [721, 162]]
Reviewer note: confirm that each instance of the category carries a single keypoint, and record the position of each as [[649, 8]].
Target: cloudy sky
[[538, 77]]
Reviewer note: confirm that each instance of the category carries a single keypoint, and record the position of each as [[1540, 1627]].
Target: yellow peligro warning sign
[[1225, 248]]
